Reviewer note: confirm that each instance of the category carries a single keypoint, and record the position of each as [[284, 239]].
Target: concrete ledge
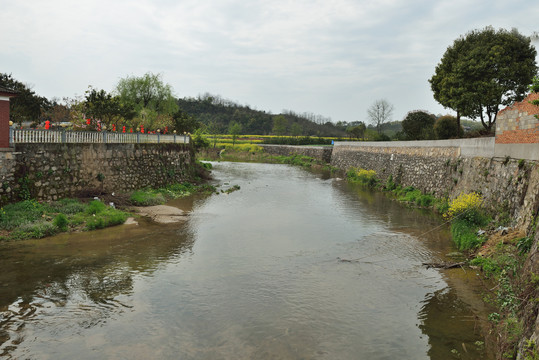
[[476, 147], [517, 151]]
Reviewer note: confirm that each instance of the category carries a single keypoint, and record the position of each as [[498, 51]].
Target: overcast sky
[[328, 57]]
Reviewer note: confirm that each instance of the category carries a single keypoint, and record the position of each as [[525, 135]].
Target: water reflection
[[446, 321], [88, 277], [253, 274]]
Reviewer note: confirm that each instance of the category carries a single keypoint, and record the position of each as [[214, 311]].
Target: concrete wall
[[53, 171]]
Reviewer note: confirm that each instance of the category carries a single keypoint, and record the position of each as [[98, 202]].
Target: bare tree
[[379, 113]]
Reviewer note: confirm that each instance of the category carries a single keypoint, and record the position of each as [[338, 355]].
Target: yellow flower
[[463, 203]]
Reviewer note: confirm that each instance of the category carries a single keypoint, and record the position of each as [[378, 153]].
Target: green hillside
[[218, 114]]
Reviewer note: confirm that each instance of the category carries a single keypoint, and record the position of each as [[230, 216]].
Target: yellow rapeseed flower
[[462, 203]]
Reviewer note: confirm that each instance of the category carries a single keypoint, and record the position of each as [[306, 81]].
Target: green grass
[[149, 197], [465, 235], [18, 214], [32, 220], [105, 218], [34, 230]]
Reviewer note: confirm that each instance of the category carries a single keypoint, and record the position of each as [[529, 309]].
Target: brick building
[[517, 124], [5, 94]]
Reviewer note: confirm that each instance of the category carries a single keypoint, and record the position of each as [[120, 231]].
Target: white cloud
[[332, 57]]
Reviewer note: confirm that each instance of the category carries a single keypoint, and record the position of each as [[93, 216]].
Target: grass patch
[[147, 197], [32, 220], [34, 230], [105, 218], [21, 213], [465, 235], [150, 197]]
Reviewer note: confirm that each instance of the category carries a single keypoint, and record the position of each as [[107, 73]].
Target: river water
[[261, 273]]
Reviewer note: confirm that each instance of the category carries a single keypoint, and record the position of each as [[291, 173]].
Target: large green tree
[[482, 71], [27, 105], [418, 125], [150, 98]]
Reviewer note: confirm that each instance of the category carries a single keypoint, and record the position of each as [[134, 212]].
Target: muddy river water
[[255, 274]]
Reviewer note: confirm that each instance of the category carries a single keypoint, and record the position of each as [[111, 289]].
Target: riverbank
[[31, 219]]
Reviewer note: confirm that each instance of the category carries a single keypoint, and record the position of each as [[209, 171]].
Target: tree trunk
[[458, 125]]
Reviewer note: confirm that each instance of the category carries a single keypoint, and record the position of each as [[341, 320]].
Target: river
[[294, 265]]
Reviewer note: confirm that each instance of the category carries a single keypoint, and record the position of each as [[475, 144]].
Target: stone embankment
[[54, 171], [509, 187], [322, 153]]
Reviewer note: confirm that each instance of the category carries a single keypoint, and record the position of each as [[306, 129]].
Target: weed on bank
[[30, 219]]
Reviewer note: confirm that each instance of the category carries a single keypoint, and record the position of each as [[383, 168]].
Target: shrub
[[68, 206], [60, 221], [446, 127], [107, 217], [390, 184], [417, 125], [95, 207]]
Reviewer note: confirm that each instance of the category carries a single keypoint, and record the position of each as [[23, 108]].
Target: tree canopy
[[379, 113], [418, 125], [102, 106], [150, 98], [446, 127], [27, 105], [482, 71]]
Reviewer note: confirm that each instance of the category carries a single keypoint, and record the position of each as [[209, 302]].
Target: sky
[[333, 58]]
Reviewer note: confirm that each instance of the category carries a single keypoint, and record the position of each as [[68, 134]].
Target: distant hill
[[219, 113]]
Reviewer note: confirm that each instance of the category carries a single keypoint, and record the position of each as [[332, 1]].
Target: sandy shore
[[162, 213]]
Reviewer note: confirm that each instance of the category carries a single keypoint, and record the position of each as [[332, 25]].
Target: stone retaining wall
[[53, 171], [507, 185], [322, 153]]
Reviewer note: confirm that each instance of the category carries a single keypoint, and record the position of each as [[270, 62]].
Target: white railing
[[20, 136]]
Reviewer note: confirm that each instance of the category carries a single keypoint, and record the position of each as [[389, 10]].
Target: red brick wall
[[525, 136], [516, 124], [4, 124]]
